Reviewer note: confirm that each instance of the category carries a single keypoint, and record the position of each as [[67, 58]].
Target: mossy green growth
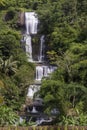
[[9, 128], [65, 128], [40, 128], [83, 129], [34, 128], [58, 128], [45, 128], [16, 128], [76, 128]]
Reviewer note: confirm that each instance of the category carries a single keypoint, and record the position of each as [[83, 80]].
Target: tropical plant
[[79, 120], [2, 2], [7, 116], [9, 66]]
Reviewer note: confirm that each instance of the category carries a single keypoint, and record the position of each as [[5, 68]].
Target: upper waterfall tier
[[31, 22]]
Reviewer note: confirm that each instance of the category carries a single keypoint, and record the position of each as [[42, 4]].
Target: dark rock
[[21, 19]]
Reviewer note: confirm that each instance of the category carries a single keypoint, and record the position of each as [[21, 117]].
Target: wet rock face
[[21, 19]]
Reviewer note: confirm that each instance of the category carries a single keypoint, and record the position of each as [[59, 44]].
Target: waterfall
[[44, 71], [39, 72], [31, 22], [28, 47], [32, 90], [34, 110], [41, 121], [41, 56], [51, 69]]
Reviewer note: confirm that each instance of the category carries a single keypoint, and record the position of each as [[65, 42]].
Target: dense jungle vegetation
[[64, 22]]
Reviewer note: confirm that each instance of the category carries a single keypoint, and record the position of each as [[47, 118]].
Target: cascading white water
[[51, 69], [29, 48], [34, 110], [39, 72], [32, 90], [41, 56], [43, 71], [39, 121], [31, 22]]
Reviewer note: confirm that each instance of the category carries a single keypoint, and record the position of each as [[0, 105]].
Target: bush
[[7, 116]]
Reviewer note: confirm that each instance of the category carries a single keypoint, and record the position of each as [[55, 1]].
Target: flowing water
[[31, 22], [32, 90], [42, 70], [41, 55], [29, 48]]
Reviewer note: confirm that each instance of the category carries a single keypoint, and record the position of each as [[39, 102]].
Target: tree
[[53, 93], [75, 93], [9, 43], [24, 77]]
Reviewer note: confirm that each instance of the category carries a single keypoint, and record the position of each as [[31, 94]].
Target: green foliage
[[24, 123], [7, 116], [11, 94], [53, 94], [24, 77], [12, 58], [9, 66], [64, 24], [9, 42], [58, 128], [15, 84], [10, 14], [80, 120], [75, 93]]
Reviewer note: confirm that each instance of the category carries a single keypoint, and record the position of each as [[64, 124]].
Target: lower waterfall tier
[[42, 71], [32, 90]]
